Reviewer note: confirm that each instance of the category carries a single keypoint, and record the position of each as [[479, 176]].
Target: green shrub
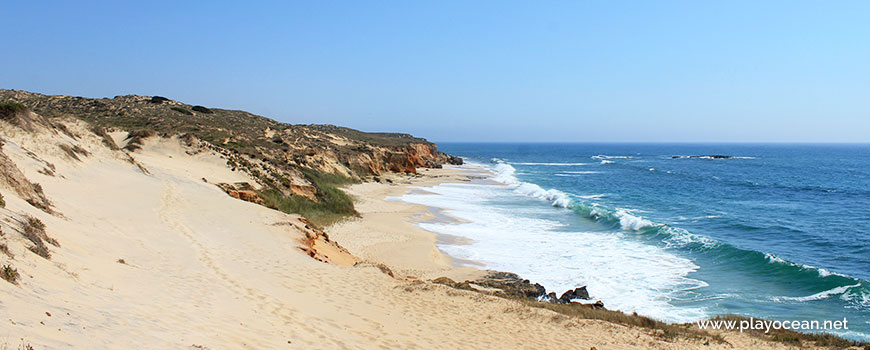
[[9, 108], [158, 99], [332, 203], [181, 110], [202, 109]]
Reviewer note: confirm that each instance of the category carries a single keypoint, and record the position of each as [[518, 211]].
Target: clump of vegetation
[[664, 330], [9, 108], [74, 151], [136, 139], [2, 201], [795, 338], [15, 113], [181, 110], [332, 203], [158, 99], [107, 139], [202, 109], [5, 250], [34, 231], [39, 201], [10, 274]]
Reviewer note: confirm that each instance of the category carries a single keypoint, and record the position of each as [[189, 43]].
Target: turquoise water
[[775, 231]]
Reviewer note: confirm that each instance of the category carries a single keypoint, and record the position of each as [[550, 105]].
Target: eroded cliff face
[[280, 156]]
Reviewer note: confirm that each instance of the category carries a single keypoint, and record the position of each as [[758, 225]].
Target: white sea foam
[[712, 157], [508, 234], [826, 273], [775, 259], [631, 222], [602, 156], [820, 295], [605, 161], [581, 172], [552, 164]]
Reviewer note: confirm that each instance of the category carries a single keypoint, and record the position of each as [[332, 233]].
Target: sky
[[488, 71]]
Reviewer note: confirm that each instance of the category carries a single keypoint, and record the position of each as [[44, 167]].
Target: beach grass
[[795, 338], [331, 205]]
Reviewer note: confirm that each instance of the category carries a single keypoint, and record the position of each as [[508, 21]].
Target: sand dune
[[204, 270]]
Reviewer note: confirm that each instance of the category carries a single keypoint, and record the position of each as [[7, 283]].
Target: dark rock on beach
[[454, 160], [511, 285], [578, 293]]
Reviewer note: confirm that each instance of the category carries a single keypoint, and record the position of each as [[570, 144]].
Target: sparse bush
[[74, 151], [136, 138], [795, 338], [202, 109], [2, 201], [39, 201], [181, 110], [10, 274], [158, 99], [38, 188], [5, 250], [107, 139], [34, 231], [15, 113], [9, 108]]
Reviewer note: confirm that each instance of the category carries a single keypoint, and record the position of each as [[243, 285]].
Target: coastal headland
[[142, 222]]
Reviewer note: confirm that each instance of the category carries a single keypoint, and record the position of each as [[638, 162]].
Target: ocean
[[677, 232]]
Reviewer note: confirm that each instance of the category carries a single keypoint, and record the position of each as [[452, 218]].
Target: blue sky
[[684, 71]]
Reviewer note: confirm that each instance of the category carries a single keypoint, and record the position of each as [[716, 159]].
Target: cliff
[[292, 164]]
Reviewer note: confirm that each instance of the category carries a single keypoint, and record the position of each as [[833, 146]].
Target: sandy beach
[[151, 254]]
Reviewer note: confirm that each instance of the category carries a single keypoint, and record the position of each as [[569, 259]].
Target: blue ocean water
[[775, 231]]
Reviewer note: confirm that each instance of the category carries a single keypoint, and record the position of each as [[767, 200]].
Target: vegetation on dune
[[8, 108], [5, 249], [15, 114], [2, 201], [34, 231], [332, 203], [10, 274], [269, 151], [202, 109], [181, 110], [661, 329], [795, 338]]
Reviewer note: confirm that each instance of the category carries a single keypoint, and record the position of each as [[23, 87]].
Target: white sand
[[204, 269]]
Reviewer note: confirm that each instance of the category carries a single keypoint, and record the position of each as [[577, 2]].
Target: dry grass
[[34, 230], [661, 329], [10, 274], [107, 140], [795, 338], [136, 138], [74, 151], [5, 250]]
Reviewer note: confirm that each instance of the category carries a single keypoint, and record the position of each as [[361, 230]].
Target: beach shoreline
[[387, 230]]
